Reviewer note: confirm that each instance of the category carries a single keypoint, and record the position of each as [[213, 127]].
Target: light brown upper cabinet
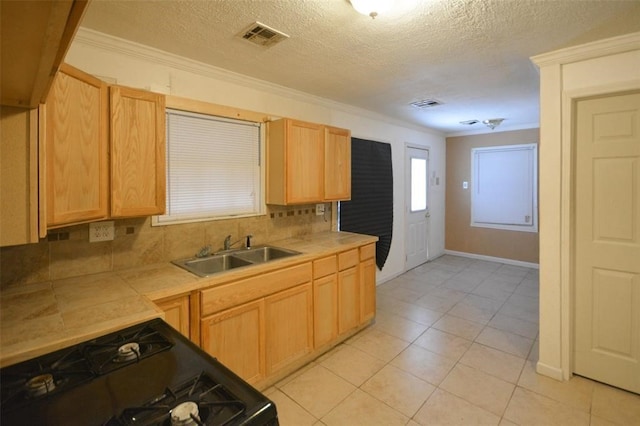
[[102, 146], [137, 152], [307, 163], [337, 164], [75, 149], [18, 176]]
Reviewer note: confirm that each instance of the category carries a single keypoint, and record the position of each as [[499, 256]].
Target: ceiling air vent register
[[426, 103], [262, 35]]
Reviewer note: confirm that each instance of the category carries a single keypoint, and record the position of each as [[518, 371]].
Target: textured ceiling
[[472, 55]]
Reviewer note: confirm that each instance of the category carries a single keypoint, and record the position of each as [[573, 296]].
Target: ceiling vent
[[426, 103], [262, 35]]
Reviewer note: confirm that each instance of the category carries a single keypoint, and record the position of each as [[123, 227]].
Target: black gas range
[[148, 374]]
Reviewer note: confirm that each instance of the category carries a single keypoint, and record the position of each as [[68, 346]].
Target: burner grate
[[42, 377], [216, 405], [115, 351]]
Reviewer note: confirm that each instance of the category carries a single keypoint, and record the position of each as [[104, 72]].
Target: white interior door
[[607, 241], [417, 216]]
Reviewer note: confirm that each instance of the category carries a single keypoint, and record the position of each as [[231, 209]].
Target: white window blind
[[504, 187], [213, 168]]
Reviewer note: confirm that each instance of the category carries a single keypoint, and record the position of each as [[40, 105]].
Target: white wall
[[121, 62], [597, 68]]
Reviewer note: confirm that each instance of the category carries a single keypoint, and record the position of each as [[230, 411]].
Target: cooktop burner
[[147, 374], [199, 401], [117, 350], [45, 376]]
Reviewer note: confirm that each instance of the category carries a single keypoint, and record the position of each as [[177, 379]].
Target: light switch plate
[[101, 231], [319, 209]]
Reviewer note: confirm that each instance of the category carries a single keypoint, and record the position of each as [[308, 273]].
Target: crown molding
[[608, 46], [109, 43], [485, 130]]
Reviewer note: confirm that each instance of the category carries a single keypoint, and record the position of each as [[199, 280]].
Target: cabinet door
[[348, 300], [325, 309], [304, 162], [18, 176], [236, 338], [289, 326], [337, 164], [367, 290], [176, 313], [137, 152], [75, 149]]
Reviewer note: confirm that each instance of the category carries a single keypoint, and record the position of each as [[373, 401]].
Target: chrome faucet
[[228, 244]]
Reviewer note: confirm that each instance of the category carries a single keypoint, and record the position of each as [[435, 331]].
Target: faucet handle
[[204, 251], [248, 242]]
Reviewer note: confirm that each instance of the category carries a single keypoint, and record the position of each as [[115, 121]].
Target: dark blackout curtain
[[370, 210]]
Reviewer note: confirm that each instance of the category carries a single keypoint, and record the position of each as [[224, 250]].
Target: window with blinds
[[504, 187], [213, 168]]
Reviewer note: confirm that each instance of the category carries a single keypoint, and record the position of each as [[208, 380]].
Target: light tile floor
[[454, 342]]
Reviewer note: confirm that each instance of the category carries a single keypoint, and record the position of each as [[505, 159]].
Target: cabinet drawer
[[348, 259], [325, 266], [241, 291], [367, 252]]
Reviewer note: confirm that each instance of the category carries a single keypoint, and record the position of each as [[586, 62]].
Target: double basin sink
[[226, 261]]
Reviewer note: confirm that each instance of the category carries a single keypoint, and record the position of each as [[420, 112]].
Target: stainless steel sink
[[211, 265], [221, 262], [264, 254]]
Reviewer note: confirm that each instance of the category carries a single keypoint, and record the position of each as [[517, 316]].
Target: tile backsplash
[[67, 252]]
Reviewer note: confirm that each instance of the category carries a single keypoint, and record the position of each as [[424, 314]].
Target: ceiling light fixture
[[492, 123], [371, 7]]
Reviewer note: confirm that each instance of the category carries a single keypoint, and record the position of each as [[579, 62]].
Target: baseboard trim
[[549, 371], [493, 259], [389, 278]]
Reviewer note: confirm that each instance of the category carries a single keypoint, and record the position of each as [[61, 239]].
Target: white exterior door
[[417, 209], [607, 240]]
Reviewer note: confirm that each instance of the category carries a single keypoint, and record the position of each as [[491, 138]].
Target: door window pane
[[418, 184]]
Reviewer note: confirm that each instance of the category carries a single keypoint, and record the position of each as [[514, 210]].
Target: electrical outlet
[[101, 231], [319, 209]]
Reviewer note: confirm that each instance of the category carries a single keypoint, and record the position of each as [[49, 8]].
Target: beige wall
[[57, 258], [459, 234]]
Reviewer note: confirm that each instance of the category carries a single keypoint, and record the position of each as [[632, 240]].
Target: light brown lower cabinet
[[289, 326], [325, 309], [260, 338], [348, 300], [176, 313], [259, 334], [367, 283], [236, 337], [348, 291], [325, 300]]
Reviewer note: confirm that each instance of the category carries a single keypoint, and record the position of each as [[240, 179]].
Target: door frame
[[567, 74], [567, 261], [407, 196]]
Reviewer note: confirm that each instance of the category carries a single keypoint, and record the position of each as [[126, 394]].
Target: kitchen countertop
[[42, 317]]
